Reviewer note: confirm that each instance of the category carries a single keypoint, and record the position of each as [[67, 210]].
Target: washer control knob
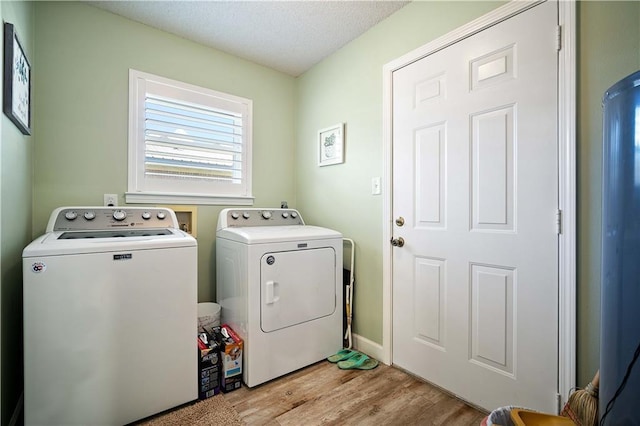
[[161, 215], [71, 215], [294, 215], [146, 215], [235, 215], [119, 215], [246, 215], [285, 215], [266, 215], [90, 215]]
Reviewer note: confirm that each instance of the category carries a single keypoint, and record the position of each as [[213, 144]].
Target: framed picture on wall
[[331, 145], [17, 81]]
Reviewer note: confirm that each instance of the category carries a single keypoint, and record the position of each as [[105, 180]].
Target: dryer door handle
[[270, 287]]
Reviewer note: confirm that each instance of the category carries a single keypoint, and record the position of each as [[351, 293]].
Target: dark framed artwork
[[17, 81]]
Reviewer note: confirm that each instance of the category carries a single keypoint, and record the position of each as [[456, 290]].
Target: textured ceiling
[[289, 36]]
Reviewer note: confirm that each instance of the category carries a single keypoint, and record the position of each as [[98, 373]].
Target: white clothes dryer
[[279, 283], [110, 317]]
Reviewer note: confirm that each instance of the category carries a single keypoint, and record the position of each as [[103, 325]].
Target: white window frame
[[141, 189]]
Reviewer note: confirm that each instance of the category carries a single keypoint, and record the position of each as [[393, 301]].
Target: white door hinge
[[558, 221], [559, 404], [558, 38]]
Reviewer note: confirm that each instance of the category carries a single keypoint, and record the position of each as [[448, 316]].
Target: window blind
[[188, 141]]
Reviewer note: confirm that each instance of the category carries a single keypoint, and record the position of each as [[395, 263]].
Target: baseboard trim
[[369, 347]]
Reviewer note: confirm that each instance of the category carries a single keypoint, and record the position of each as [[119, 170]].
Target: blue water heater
[[620, 321]]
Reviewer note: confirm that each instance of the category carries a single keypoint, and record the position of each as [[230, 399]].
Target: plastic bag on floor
[[501, 416]]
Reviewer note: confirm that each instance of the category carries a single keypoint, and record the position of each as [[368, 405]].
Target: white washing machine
[[279, 283], [110, 317]]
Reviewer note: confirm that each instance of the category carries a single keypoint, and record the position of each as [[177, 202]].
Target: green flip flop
[[342, 355], [358, 362]]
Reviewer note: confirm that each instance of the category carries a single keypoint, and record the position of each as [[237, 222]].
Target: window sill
[[197, 199]]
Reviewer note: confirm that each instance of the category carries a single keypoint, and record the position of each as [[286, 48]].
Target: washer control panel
[[230, 218], [99, 218]]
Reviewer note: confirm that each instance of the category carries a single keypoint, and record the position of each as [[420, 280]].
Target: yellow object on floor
[[531, 418]]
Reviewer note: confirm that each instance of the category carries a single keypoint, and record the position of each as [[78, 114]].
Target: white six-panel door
[[475, 196]]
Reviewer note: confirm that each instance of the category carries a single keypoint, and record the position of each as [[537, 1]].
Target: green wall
[[81, 55], [347, 87], [15, 222], [84, 54]]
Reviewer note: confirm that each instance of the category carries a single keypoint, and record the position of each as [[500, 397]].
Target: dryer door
[[296, 287]]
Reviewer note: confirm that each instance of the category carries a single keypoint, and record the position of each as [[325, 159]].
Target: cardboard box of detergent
[[231, 353], [209, 366]]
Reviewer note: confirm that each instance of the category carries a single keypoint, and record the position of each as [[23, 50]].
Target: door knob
[[397, 242], [400, 221]]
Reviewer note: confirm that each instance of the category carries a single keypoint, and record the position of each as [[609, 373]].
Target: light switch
[[375, 186]]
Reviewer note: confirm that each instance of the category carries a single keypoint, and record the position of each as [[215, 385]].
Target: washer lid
[[275, 234], [117, 233], [54, 244]]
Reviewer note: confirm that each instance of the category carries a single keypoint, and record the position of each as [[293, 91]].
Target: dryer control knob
[[161, 215], [285, 215], [246, 215], [89, 215], [294, 215], [235, 215], [119, 215], [146, 215], [71, 215], [266, 215]]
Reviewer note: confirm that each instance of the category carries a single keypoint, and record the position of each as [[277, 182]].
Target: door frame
[[566, 177]]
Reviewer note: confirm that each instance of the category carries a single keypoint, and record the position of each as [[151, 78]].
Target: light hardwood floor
[[324, 394]]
